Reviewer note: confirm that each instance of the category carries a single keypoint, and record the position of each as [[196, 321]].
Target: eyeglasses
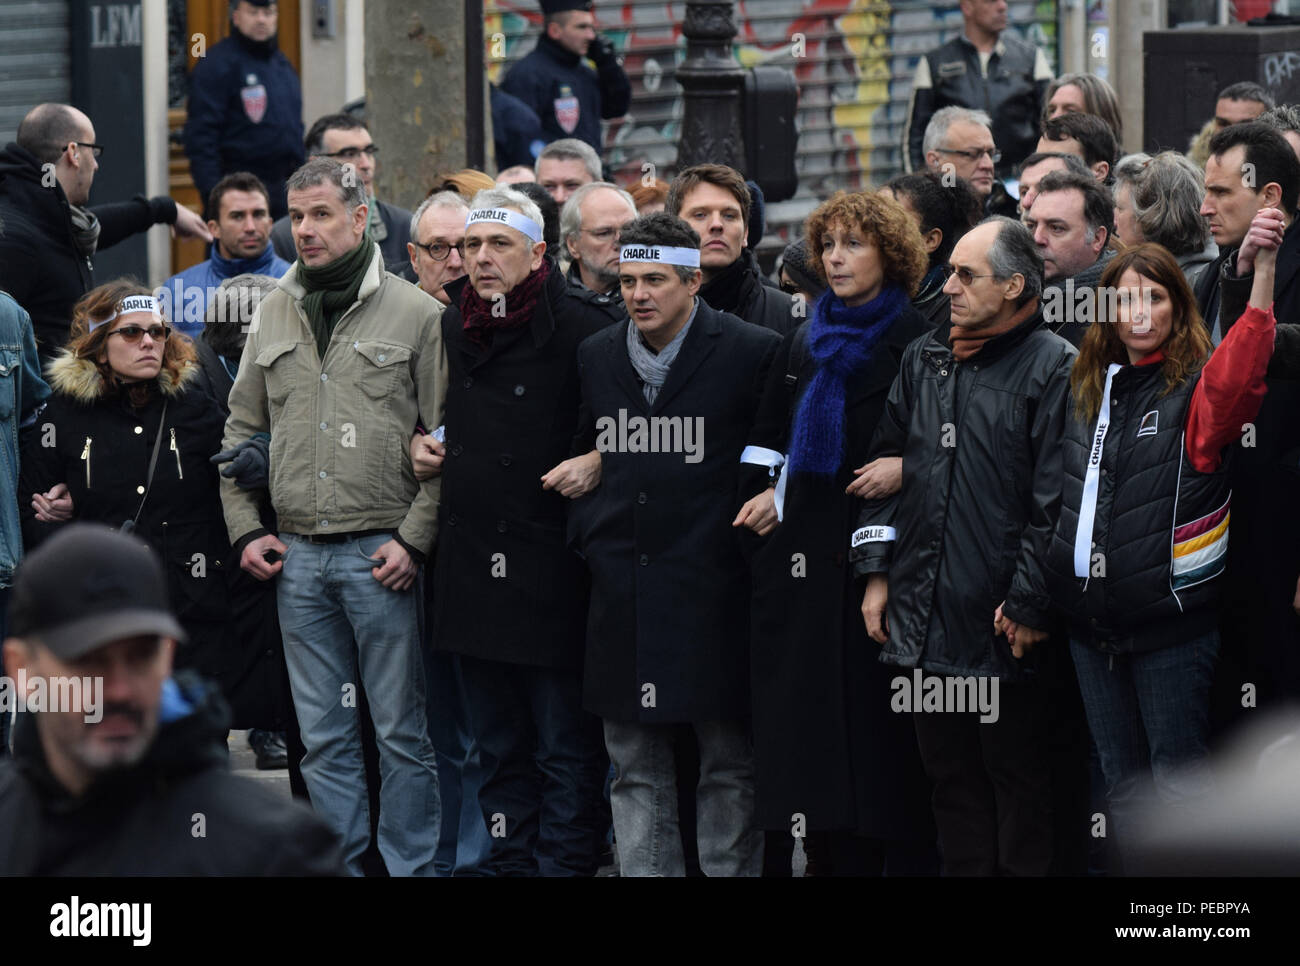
[[133, 333], [438, 251], [600, 234], [351, 154], [966, 276], [974, 154], [96, 149]]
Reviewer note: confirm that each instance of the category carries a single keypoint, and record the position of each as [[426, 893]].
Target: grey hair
[[321, 170], [1284, 117], [570, 149], [944, 118], [1013, 252], [1166, 199], [506, 197], [571, 214], [1128, 169], [439, 199]]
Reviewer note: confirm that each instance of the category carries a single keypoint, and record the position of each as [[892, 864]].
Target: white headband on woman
[[132, 303], [666, 254], [504, 216]]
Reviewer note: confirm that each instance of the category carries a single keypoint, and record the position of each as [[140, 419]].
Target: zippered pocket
[[85, 455], [175, 449]]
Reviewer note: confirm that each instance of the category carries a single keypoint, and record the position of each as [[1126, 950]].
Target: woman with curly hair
[[127, 435], [828, 750], [1142, 536]]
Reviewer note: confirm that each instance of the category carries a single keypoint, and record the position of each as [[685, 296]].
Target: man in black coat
[[48, 237], [130, 776], [715, 201], [510, 597], [667, 635], [568, 97], [957, 555]]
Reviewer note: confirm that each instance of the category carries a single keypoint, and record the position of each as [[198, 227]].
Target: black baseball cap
[[88, 586], [552, 7]]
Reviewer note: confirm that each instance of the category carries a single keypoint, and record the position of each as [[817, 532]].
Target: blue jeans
[[543, 768], [342, 628], [1149, 715], [465, 842], [644, 800]]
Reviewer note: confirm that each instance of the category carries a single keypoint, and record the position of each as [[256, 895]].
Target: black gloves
[[601, 50], [249, 462]]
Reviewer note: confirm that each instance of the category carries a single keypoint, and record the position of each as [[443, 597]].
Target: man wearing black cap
[[568, 96], [129, 777], [245, 107]]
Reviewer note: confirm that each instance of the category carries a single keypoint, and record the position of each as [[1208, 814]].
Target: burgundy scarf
[[481, 323]]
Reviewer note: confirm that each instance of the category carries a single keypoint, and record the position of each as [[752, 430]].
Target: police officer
[[568, 96], [245, 108]]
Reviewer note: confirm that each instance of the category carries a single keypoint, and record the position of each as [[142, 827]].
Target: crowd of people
[[538, 530]]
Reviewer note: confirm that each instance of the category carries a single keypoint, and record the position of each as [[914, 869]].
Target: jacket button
[[456, 450], [451, 519], [640, 498], [519, 390], [645, 560], [382, 357], [324, 426], [139, 489], [139, 430], [324, 377], [506, 461], [322, 474], [469, 381], [501, 526]]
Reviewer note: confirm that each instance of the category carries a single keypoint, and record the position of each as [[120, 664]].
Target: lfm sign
[[116, 25]]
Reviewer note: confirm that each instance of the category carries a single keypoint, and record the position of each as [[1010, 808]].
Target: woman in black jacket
[[832, 761], [126, 397]]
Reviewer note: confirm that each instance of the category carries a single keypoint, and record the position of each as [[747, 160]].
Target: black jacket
[[739, 290], [981, 448], [39, 262], [507, 586], [568, 97], [144, 820], [517, 132], [825, 741], [1010, 93], [397, 222], [670, 590]]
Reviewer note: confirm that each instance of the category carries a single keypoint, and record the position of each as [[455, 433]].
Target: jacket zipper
[[85, 455], [176, 450]]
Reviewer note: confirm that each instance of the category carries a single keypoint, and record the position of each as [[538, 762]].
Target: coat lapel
[[699, 345]]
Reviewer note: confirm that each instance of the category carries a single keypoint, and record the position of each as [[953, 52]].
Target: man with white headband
[[510, 597], [671, 394]]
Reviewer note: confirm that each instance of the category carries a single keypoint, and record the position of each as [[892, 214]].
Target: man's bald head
[[48, 129]]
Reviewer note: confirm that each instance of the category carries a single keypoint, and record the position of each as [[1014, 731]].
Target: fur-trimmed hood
[[81, 379]]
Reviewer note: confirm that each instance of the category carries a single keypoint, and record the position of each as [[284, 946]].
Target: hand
[[1020, 636], [397, 570], [54, 506], [575, 477], [759, 513], [427, 455], [601, 49], [1263, 239], [873, 608], [249, 462], [190, 225], [252, 561], [882, 477]]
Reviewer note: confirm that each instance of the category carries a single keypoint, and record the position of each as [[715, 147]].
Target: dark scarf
[[842, 341], [725, 290], [965, 344], [230, 267], [331, 290], [261, 49], [521, 300]]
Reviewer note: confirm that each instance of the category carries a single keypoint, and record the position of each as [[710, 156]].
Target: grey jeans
[[643, 798]]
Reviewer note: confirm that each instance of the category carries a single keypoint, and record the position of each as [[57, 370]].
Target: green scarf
[[331, 290]]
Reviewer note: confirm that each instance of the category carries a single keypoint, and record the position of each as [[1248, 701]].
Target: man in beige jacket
[[341, 362]]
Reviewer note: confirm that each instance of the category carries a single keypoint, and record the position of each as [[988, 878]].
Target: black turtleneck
[[261, 49]]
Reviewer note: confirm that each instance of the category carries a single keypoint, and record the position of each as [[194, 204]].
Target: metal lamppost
[[712, 81]]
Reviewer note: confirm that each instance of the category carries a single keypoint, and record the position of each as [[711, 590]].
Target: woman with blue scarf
[[834, 765]]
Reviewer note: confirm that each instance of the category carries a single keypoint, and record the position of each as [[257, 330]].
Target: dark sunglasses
[[133, 333]]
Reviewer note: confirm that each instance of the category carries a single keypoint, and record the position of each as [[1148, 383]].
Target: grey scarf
[[651, 367], [85, 230]]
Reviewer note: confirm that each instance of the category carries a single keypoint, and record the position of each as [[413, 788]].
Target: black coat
[[739, 290], [512, 414], [670, 588], [39, 263], [141, 820], [982, 473], [825, 741]]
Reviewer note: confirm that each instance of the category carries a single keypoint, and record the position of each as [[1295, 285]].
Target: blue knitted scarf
[[842, 341]]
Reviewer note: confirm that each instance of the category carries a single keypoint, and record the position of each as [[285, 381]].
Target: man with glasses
[[437, 230], [346, 139], [245, 107], [50, 235], [984, 66], [589, 225], [959, 144]]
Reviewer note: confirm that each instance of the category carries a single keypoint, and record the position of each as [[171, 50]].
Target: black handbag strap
[[153, 462]]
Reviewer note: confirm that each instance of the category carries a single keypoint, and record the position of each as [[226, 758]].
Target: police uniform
[[245, 114]]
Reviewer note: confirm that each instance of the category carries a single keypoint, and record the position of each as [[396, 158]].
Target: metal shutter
[[854, 79], [34, 58]]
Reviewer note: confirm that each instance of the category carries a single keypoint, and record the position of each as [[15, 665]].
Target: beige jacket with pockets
[[341, 427]]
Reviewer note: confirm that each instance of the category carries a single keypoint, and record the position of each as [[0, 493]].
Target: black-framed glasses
[[133, 333], [974, 154], [438, 251], [966, 276], [352, 154], [96, 149]]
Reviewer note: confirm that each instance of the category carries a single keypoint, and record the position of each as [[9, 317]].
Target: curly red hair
[[903, 259]]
